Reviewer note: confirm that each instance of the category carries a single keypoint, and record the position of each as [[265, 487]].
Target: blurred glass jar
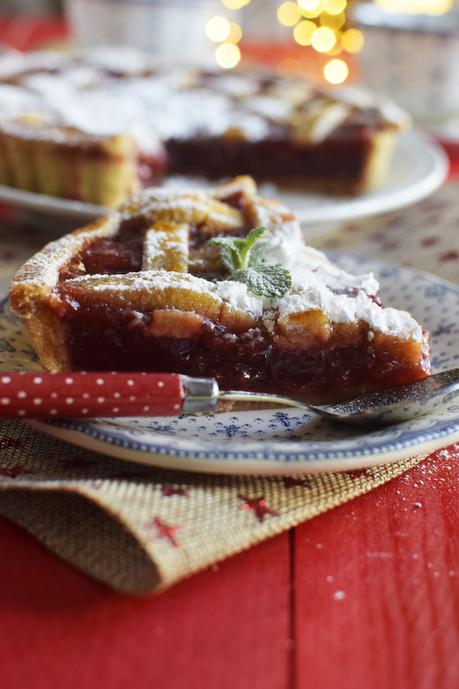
[[413, 58], [172, 29]]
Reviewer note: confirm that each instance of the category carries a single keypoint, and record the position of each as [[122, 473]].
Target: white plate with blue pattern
[[280, 441]]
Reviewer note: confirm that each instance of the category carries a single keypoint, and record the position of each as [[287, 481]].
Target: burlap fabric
[[138, 529]]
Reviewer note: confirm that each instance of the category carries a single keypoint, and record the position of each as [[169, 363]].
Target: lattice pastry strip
[[165, 247], [242, 186], [147, 290], [153, 289], [195, 208]]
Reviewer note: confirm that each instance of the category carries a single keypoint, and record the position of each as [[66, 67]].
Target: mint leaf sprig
[[243, 259]]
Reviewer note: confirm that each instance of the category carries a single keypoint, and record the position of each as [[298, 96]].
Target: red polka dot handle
[[53, 395]]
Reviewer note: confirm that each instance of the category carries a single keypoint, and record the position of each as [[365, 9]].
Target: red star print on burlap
[[11, 472], [169, 491], [258, 506], [7, 443], [166, 531]]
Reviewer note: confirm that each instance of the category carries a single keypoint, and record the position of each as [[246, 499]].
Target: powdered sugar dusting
[[194, 207], [106, 92], [235, 294], [317, 284], [167, 249]]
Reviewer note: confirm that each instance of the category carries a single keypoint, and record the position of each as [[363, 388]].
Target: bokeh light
[[323, 39], [313, 12], [218, 29], [302, 33], [439, 7], [235, 4], [235, 34], [435, 7], [334, 21], [310, 5], [288, 13], [352, 41], [336, 71], [227, 55], [335, 6], [320, 24]]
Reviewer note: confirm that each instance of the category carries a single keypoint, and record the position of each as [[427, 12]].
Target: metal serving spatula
[[86, 395]]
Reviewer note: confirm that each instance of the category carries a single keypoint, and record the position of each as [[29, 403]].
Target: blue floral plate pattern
[[277, 441]]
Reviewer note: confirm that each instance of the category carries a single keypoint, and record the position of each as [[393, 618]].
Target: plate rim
[[262, 460], [352, 208], [257, 467]]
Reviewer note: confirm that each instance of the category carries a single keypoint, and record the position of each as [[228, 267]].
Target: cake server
[[85, 395]]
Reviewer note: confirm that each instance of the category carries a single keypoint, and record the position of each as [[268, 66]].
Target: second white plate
[[418, 168]]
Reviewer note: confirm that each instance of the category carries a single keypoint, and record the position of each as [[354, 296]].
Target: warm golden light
[[335, 6], [334, 21], [227, 55], [235, 33], [288, 13], [302, 33], [310, 5], [323, 39], [235, 4], [352, 41], [311, 14], [218, 29], [442, 7], [337, 50], [435, 7], [336, 71]]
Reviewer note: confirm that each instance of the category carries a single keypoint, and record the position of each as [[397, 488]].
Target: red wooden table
[[363, 597]]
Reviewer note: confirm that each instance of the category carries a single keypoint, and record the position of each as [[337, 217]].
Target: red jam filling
[[102, 338], [339, 159]]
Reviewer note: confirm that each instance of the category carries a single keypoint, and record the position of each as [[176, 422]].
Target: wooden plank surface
[[377, 587], [226, 628], [375, 604]]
